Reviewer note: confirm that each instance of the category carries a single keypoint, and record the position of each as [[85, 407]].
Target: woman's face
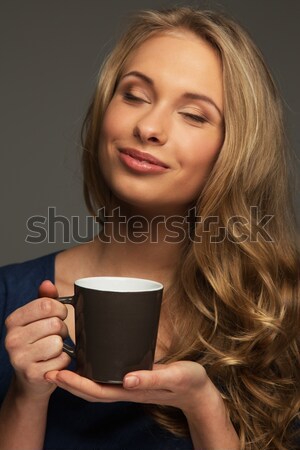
[[163, 128]]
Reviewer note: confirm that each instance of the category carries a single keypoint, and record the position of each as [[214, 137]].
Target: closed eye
[[129, 97], [194, 117]]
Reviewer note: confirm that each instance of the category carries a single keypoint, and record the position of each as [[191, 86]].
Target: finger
[[89, 398], [172, 377], [59, 363], [43, 328], [48, 289], [46, 327], [20, 337], [36, 310], [42, 350], [146, 380], [163, 377], [159, 366], [87, 389], [48, 348], [35, 372]]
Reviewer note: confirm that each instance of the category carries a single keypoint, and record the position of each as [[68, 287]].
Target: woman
[[185, 125]]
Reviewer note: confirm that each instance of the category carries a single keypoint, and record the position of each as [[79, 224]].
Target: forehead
[[180, 58]]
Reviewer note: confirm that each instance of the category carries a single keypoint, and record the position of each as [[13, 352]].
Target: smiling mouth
[[143, 157]]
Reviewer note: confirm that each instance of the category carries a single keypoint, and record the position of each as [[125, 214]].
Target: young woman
[[185, 131]]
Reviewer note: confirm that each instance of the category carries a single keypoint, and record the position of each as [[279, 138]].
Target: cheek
[[116, 122], [199, 162], [108, 125], [203, 152], [114, 129], [107, 134]]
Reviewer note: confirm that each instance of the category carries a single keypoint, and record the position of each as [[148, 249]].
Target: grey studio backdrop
[[50, 55]]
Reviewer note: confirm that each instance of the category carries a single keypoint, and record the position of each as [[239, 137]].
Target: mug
[[116, 325]]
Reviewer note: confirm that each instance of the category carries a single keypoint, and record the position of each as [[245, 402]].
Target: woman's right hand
[[34, 341]]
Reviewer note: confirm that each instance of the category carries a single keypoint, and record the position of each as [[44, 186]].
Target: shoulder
[[19, 282]]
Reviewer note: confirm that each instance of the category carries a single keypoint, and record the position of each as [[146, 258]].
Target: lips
[[143, 157]]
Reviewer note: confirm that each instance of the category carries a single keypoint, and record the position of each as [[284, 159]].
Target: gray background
[[50, 55]]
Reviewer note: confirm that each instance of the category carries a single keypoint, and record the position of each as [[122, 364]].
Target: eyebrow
[[186, 95]]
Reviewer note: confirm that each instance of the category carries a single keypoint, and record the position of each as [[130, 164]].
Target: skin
[[163, 123], [35, 333], [184, 133]]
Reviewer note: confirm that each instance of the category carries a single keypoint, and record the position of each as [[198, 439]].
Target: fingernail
[[131, 381]]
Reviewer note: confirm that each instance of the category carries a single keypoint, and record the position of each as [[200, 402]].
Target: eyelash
[[133, 98], [195, 117]]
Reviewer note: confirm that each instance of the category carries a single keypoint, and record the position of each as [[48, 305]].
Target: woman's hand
[[34, 341], [178, 384], [182, 384]]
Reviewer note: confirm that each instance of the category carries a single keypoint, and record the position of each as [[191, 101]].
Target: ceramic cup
[[116, 323]]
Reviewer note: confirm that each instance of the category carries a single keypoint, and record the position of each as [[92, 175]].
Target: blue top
[[73, 423]]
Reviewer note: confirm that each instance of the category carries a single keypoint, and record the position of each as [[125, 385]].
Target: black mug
[[116, 324]]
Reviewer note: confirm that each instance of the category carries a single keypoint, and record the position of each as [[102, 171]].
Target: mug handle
[[67, 348]]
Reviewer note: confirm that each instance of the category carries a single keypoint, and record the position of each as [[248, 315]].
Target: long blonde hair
[[235, 305]]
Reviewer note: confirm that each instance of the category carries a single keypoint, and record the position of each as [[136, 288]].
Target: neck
[[140, 246]]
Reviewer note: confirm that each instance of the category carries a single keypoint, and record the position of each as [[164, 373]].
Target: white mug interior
[[119, 284]]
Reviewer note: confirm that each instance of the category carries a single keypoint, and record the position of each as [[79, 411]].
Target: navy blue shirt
[[73, 423]]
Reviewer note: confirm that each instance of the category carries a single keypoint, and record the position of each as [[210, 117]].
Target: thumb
[[48, 289]]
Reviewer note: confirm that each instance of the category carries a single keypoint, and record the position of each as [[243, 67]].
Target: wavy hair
[[235, 303]]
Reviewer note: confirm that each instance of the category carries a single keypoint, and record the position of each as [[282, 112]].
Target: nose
[[152, 128]]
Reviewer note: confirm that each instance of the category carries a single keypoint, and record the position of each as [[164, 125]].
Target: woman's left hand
[[180, 384]]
